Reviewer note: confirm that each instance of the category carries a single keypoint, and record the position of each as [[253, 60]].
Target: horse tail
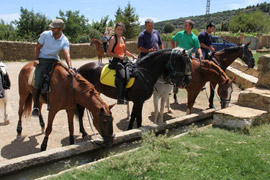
[[28, 106]]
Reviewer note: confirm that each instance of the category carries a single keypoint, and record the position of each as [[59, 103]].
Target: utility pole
[[207, 15]]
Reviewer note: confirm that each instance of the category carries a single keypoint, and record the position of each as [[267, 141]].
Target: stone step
[[245, 80], [255, 98], [240, 118]]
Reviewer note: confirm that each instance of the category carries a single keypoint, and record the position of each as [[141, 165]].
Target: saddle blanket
[[107, 77]]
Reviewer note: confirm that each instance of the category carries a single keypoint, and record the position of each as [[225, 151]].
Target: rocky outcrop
[[241, 118], [264, 72]]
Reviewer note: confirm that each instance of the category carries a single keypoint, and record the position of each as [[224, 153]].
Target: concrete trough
[[17, 164], [238, 117]]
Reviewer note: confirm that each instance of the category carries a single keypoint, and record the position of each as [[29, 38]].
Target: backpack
[[116, 41]]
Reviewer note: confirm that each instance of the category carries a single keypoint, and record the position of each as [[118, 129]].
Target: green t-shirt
[[186, 41]]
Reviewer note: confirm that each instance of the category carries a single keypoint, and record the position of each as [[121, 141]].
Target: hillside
[[219, 18]]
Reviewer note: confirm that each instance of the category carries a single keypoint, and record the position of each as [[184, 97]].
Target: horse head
[[105, 125], [247, 55], [179, 67], [225, 91]]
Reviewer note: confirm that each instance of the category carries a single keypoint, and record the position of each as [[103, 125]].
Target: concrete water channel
[[54, 161]]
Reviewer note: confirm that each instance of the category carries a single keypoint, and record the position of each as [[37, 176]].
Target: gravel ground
[[11, 148]]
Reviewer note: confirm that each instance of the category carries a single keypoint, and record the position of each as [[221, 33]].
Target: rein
[[245, 56]]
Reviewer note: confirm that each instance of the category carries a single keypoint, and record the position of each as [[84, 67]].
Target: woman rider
[[118, 52]]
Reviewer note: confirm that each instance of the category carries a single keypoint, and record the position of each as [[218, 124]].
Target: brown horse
[[203, 72], [225, 58], [149, 69], [99, 48], [66, 91]]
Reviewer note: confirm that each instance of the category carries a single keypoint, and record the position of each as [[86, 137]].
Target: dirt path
[[11, 148]]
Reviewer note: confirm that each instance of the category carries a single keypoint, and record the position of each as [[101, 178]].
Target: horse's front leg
[[70, 114], [192, 95], [6, 121], [41, 121], [48, 131], [212, 94], [175, 91], [80, 111], [162, 105], [133, 116], [139, 115], [155, 99]]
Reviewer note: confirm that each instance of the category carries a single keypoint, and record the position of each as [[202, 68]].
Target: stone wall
[[16, 51], [264, 72]]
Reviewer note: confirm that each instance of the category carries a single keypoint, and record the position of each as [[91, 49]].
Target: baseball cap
[[57, 23]]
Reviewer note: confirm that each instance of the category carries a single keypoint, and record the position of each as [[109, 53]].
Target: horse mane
[[86, 86], [94, 39], [228, 50], [151, 55], [211, 64]]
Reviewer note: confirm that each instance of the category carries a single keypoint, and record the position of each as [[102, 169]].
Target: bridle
[[101, 114], [171, 64], [244, 55]]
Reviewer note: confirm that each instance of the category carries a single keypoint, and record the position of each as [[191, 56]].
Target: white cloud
[[9, 17], [244, 4], [142, 19]]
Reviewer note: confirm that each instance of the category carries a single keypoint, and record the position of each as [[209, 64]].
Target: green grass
[[210, 153], [256, 57]]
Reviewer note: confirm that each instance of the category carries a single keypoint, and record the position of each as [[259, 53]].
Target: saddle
[[4, 81], [108, 74]]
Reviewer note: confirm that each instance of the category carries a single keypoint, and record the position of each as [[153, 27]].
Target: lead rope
[[215, 93], [72, 84]]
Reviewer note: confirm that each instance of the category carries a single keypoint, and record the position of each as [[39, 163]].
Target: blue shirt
[[205, 39], [147, 40], [51, 46]]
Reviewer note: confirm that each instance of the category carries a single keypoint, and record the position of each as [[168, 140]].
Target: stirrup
[[35, 112]]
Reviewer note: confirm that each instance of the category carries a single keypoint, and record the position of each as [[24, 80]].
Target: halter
[[245, 56], [170, 68]]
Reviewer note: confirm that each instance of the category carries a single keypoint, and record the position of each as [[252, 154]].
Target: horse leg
[[168, 105], [162, 104], [48, 131], [133, 116], [70, 114], [175, 91], [6, 121], [139, 115], [41, 121], [212, 94], [192, 95], [155, 99], [80, 111], [22, 100], [128, 112]]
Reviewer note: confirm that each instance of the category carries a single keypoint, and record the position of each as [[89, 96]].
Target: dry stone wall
[[16, 51]]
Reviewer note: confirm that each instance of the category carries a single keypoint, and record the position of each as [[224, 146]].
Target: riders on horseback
[[118, 52], [46, 54], [205, 40]]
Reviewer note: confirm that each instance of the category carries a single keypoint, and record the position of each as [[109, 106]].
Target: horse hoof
[[86, 137], [19, 138], [169, 111], [6, 122]]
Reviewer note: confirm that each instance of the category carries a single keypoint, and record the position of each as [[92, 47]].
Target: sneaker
[[35, 112]]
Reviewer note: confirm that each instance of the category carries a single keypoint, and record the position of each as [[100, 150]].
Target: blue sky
[[158, 10]]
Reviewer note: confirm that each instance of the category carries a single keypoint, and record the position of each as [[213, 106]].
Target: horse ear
[[188, 51], [111, 106], [247, 43]]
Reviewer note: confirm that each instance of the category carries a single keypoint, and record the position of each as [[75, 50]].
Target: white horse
[[3, 101], [162, 90]]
